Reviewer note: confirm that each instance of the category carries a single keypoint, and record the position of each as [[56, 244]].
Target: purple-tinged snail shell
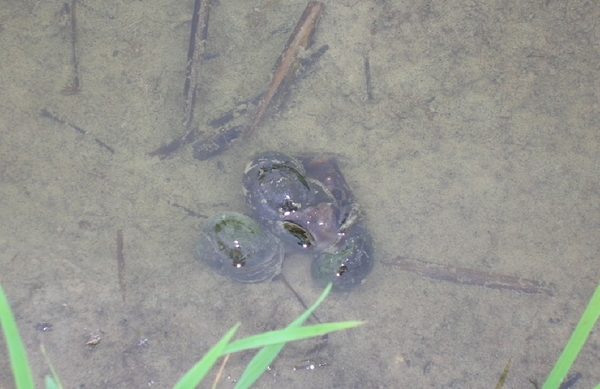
[[297, 209]]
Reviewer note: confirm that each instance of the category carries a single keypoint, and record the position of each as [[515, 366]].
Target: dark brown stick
[[225, 135], [198, 33], [168, 149], [194, 60], [301, 37], [215, 144], [461, 275], [307, 67], [121, 262]]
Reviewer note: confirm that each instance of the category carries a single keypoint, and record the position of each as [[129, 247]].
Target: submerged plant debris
[[466, 276]]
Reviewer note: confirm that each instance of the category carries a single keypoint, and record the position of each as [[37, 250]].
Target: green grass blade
[[258, 365], [193, 377], [51, 382], [16, 351], [267, 354], [287, 335], [578, 338], [302, 318]]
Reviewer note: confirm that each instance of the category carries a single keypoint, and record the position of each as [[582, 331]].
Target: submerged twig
[[198, 33], [166, 150], [216, 143], [46, 113], [503, 376], [300, 300], [226, 134], [220, 372], [194, 60], [369, 85], [307, 67], [289, 69], [461, 275], [121, 263], [300, 38]]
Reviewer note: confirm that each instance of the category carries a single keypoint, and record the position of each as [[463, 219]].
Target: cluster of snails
[[294, 203]]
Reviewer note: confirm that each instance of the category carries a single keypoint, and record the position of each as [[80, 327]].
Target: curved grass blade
[[193, 377], [578, 338], [302, 318], [258, 365], [16, 351], [51, 382], [287, 334], [267, 354]]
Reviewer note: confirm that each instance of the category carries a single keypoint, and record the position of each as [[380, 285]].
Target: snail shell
[[299, 210], [274, 185], [237, 246], [347, 263]]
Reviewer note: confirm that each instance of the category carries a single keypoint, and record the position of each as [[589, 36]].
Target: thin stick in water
[[465, 276], [300, 38], [220, 372], [121, 262], [196, 47], [369, 85]]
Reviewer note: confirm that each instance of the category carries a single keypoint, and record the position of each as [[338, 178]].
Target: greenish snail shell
[[347, 263], [237, 246]]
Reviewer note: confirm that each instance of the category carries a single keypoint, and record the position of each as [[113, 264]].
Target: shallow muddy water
[[475, 145]]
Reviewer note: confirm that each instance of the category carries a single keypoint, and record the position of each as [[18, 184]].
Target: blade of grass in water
[[51, 382], [274, 344], [193, 377], [258, 365], [302, 318], [287, 334], [16, 351], [275, 341], [578, 338], [266, 355]]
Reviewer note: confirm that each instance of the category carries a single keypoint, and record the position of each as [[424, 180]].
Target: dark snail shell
[[347, 263], [239, 247], [299, 210], [274, 185]]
